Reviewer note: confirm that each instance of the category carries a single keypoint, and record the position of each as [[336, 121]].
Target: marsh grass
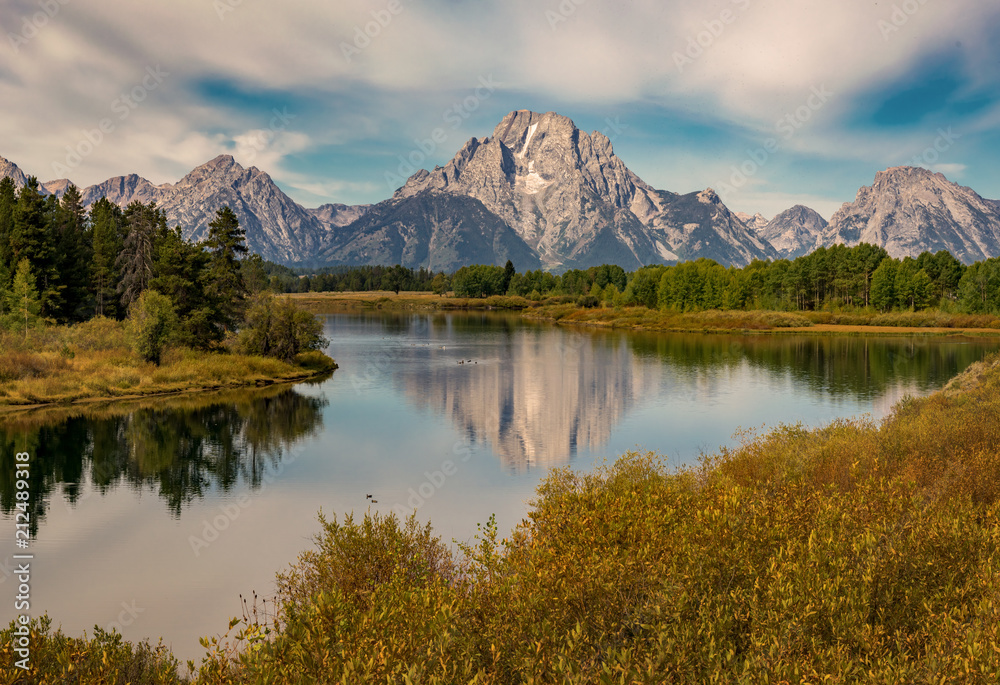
[[641, 318], [94, 360]]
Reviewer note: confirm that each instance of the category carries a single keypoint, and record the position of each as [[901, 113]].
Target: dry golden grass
[[93, 361]]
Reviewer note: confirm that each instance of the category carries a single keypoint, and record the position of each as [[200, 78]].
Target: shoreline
[[92, 379], [10, 410], [735, 322]]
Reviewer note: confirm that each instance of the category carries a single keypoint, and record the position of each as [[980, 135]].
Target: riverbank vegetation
[[860, 551], [862, 280], [861, 286], [114, 303]]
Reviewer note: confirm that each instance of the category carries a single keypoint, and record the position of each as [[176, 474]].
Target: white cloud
[[758, 61]]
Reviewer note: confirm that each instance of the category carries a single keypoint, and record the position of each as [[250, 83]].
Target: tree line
[[837, 278], [60, 264]]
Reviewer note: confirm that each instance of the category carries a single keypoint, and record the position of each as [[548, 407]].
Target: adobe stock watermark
[[229, 512], [32, 25], [614, 128], [252, 143], [434, 481], [712, 30], [453, 117], [122, 106], [224, 7], [364, 34], [932, 154], [785, 128], [566, 9], [126, 617], [898, 18], [379, 367]]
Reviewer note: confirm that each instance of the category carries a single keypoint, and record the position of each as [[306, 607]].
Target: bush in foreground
[[104, 659], [859, 552]]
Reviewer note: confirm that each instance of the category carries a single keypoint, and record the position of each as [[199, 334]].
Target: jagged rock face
[[576, 204], [755, 223], [795, 232], [439, 231], [10, 170], [909, 210], [338, 215], [123, 190], [699, 225], [277, 228], [562, 191], [57, 187]]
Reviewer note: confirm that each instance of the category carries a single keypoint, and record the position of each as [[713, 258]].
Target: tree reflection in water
[[182, 447]]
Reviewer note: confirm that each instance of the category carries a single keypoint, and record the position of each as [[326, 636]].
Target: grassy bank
[[387, 300], [564, 310], [859, 552], [896, 323], [94, 361]]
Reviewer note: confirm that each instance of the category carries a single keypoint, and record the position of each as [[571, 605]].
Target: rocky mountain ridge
[[545, 194], [909, 210]]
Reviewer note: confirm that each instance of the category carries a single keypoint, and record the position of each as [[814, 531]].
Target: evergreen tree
[[136, 258], [508, 273], [179, 273], [254, 274], [32, 239], [107, 231], [226, 246], [73, 256], [23, 303], [865, 259], [8, 201]]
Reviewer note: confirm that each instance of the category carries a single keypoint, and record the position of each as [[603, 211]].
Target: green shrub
[[104, 659], [275, 327], [151, 322]]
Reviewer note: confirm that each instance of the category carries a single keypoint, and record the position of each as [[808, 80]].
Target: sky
[[771, 103]]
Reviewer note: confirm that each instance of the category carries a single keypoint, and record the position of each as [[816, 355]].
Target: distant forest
[[62, 264], [836, 278]]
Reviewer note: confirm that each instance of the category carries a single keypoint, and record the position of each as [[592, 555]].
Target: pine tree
[[8, 201], [23, 303], [225, 286], [107, 231], [180, 269], [32, 239], [883, 288], [136, 259], [508, 273], [73, 256]]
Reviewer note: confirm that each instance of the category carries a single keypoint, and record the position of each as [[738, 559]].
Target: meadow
[[95, 360]]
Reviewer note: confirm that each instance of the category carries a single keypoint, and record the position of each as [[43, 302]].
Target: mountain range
[[544, 194]]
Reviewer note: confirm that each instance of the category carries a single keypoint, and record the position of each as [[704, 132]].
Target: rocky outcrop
[[576, 204], [794, 232], [909, 210]]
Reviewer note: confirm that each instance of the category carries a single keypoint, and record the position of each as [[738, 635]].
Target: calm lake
[[152, 518]]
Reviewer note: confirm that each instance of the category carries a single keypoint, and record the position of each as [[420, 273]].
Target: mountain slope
[[794, 232], [438, 231], [909, 210], [574, 202], [10, 170], [755, 223]]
